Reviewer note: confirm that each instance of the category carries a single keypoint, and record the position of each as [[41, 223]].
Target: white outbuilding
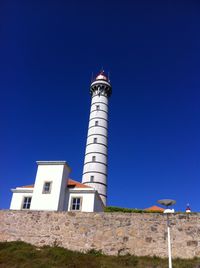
[[53, 190]]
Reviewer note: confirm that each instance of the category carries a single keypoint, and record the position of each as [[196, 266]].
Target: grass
[[22, 255]]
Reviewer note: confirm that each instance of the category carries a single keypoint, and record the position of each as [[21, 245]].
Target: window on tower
[[47, 187], [96, 123], [93, 158], [91, 178], [95, 140], [97, 107]]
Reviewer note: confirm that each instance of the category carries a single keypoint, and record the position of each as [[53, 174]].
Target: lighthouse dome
[[101, 76]]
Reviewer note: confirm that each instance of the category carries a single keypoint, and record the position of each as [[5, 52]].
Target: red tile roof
[[155, 208], [27, 186], [71, 184], [76, 184]]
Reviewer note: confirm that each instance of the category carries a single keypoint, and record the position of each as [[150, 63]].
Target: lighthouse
[[96, 152]]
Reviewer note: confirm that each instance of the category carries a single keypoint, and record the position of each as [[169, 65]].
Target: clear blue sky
[[48, 50]]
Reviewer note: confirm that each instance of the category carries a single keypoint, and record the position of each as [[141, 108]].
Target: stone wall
[[113, 233]]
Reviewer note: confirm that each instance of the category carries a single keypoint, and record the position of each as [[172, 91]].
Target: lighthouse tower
[[95, 163]]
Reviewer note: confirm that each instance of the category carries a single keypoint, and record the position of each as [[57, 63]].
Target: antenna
[[92, 78], [108, 76]]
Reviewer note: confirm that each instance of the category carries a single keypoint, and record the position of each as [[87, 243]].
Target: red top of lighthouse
[[101, 83], [102, 76]]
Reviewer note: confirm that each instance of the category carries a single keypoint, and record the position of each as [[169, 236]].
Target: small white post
[[167, 203], [169, 243]]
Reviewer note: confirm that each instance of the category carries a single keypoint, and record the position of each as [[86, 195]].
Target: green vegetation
[[129, 210], [135, 210], [21, 255]]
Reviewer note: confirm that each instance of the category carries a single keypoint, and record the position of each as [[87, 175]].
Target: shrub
[[129, 210]]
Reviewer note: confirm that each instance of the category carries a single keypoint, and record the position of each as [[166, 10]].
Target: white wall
[[93, 167], [17, 200], [100, 139], [66, 200], [89, 202], [101, 130], [96, 100], [98, 204], [100, 98], [99, 149], [57, 173], [99, 157], [63, 189], [90, 199]]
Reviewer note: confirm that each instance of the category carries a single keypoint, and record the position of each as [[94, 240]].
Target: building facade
[[55, 191]]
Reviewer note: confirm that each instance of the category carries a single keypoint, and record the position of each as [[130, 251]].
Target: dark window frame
[[47, 189], [76, 203], [26, 204]]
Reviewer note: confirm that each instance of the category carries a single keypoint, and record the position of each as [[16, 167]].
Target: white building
[[53, 190]]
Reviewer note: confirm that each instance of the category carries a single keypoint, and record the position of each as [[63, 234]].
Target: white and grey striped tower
[[95, 163]]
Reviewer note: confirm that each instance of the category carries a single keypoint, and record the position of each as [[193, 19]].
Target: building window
[[91, 178], [96, 123], [97, 107], [27, 202], [95, 140], [93, 158], [76, 203], [47, 187]]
